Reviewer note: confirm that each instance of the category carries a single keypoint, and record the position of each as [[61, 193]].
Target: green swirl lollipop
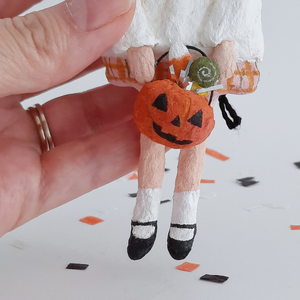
[[205, 72]]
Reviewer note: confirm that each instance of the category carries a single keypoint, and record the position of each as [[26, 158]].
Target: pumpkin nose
[[176, 121]]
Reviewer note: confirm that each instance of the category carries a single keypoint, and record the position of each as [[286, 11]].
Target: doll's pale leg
[[141, 61], [144, 220], [187, 192]]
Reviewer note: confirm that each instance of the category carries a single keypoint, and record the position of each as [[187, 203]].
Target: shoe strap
[[183, 226], [137, 223]]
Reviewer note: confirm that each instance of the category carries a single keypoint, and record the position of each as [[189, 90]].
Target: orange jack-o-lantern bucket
[[172, 116]]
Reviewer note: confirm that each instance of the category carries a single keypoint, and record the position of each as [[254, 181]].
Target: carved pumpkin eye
[[161, 102], [197, 118]]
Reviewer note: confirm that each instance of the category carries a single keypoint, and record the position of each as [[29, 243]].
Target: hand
[[224, 55], [94, 133]]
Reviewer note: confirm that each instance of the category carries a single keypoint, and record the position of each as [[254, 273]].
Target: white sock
[[184, 213], [146, 210]]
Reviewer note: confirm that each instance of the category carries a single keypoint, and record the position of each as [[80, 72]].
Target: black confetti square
[[132, 195], [73, 266], [214, 278], [247, 181], [165, 201], [297, 164]]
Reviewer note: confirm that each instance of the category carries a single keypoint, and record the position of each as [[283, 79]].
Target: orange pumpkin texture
[[172, 116]]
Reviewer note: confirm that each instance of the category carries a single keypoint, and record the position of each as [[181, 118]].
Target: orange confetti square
[[216, 154], [295, 227], [91, 220], [133, 177], [187, 267], [207, 181]]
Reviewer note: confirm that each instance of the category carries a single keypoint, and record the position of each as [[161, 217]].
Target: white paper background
[[257, 250]]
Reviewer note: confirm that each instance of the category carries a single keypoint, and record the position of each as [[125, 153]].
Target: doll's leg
[[141, 62], [144, 220], [187, 192]]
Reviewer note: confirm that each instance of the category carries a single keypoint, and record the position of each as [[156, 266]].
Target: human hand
[[94, 133], [225, 56]]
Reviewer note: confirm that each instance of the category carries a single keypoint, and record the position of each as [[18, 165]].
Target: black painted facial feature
[[161, 102], [169, 137], [197, 119], [176, 121]]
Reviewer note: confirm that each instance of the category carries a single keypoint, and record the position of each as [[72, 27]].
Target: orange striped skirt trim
[[244, 80]]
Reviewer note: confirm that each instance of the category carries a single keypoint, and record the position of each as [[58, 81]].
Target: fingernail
[[91, 14]]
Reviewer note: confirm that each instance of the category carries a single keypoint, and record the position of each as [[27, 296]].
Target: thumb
[[45, 48]]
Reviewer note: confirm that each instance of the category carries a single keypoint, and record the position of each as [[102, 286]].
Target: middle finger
[[74, 116]]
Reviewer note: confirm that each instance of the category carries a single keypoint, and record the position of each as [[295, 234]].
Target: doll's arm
[[225, 56], [141, 62]]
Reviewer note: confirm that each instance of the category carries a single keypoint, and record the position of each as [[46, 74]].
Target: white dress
[[200, 23]]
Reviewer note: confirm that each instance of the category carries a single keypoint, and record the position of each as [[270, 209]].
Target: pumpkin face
[[172, 116]]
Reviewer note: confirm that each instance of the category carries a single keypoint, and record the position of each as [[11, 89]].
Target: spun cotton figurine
[[162, 54]]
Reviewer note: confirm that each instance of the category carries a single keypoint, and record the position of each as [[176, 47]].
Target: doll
[[229, 32]]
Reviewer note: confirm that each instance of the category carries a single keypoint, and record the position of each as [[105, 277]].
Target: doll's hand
[[96, 140], [141, 62], [224, 55]]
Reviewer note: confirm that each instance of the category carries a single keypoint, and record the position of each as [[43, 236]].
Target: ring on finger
[[41, 124]]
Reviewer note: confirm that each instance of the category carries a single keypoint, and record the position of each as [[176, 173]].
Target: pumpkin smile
[[169, 137]]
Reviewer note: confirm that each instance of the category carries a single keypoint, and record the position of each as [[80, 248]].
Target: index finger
[[96, 65], [46, 48]]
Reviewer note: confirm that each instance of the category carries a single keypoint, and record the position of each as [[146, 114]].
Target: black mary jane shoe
[[138, 248], [180, 249]]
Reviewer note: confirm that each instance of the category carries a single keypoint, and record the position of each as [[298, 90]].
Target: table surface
[[243, 232]]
